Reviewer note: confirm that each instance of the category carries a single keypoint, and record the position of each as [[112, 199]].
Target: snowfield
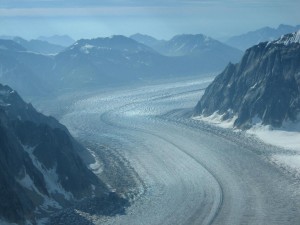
[[188, 171]]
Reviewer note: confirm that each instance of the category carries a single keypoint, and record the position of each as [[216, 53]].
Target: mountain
[[117, 60], [40, 167], [198, 45], [264, 87], [27, 72], [61, 40], [101, 61], [147, 40], [194, 52], [251, 38], [38, 46]]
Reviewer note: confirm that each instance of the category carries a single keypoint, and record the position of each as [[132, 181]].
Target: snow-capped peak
[[289, 38]]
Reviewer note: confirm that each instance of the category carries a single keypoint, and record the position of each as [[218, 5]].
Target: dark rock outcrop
[[40, 167], [264, 86]]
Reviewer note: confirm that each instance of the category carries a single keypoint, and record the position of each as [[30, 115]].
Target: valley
[[178, 170]]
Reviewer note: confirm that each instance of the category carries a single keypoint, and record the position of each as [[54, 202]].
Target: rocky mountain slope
[[264, 87], [40, 167], [251, 38]]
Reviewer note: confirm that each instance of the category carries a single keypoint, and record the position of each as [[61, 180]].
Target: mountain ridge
[[251, 38], [264, 86]]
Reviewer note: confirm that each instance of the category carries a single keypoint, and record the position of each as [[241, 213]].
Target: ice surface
[[185, 169]]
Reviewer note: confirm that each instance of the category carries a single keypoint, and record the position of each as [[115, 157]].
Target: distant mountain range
[[62, 40], [36, 46], [40, 167], [251, 38], [114, 60], [264, 87], [189, 44], [147, 40], [27, 72]]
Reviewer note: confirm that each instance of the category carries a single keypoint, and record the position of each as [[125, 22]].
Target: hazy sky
[[160, 18]]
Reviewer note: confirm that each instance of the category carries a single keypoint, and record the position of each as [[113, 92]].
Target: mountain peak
[[113, 43], [288, 38], [195, 37]]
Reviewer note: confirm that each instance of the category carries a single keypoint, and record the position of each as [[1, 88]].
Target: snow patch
[[288, 39], [27, 182], [290, 162], [217, 120], [96, 167], [85, 49], [50, 176], [287, 137]]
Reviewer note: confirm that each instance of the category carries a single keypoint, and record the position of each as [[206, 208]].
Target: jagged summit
[[288, 38]]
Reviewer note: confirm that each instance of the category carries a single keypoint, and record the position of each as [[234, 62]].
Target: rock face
[[264, 86], [40, 167]]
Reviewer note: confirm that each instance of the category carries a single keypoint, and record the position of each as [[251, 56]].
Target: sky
[[160, 18]]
